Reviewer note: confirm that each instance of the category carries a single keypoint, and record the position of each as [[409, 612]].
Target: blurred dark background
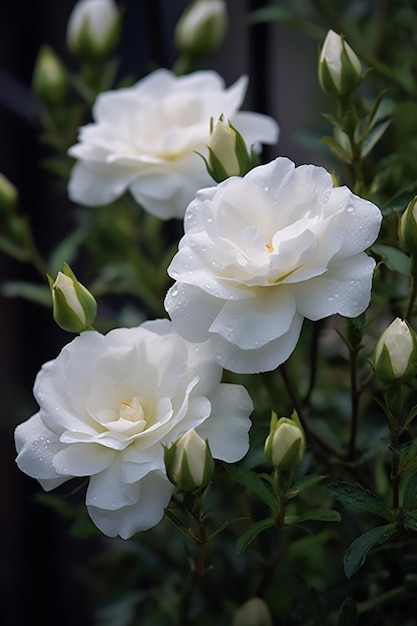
[[41, 565]]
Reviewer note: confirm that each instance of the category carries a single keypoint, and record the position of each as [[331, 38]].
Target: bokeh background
[[44, 570]]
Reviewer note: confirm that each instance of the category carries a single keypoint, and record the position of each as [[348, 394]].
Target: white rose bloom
[[145, 139], [108, 404], [264, 251]]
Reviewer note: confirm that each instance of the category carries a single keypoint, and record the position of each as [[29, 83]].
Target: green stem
[[354, 395], [202, 554], [310, 434], [313, 361], [412, 299], [356, 166], [395, 466]]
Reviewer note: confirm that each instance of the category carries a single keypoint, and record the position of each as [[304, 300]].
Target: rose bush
[[261, 253], [108, 405], [146, 138]]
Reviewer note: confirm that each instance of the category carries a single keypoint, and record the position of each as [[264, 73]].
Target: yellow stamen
[[127, 404], [269, 248]]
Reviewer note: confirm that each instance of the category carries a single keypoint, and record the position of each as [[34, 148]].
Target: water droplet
[[174, 292]]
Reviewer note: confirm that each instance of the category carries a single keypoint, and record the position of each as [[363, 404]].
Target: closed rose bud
[[201, 28], [408, 228], [395, 358], [339, 68], [50, 77], [285, 444], [253, 612], [228, 152], [93, 29], [74, 307], [8, 196], [189, 463]]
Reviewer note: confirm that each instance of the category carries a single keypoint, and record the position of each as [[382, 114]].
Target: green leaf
[[357, 552], [348, 615], [373, 137], [341, 152], [56, 503], [14, 250], [381, 109], [252, 532], [399, 201], [66, 251], [393, 258], [39, 294], [354, 495], [319, 515], [179, 521], [273, 14], [410, 492], [409, 520], [304, 483], [254, 483], [309, 599]]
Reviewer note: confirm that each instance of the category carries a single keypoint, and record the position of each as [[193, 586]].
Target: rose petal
[[154, 495], [228, 425], [263, 359], [344, 289], [252, 323]]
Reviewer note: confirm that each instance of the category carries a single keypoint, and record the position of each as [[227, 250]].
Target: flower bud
[[8, 196], [201, 28], [253, 612], [74, 307], [189, 463], [50, 77], [395, 358], [285, 444], [93, 29], [339, 68], [408, 228], [228, 152]]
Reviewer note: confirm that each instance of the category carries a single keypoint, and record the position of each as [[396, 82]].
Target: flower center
[[132, 411], [269, 248]]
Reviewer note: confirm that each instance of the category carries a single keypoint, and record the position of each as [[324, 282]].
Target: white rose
[[145, 139], [264, 251], [108, 405]]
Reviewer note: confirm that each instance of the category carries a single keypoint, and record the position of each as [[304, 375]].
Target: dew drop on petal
[[174, 292]]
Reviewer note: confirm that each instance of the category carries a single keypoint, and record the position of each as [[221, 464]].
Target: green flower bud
[[253, 612], [74, 307], [50, 77], [8, 196], [285, 444], [408, 228], [395, 358], [228, 152], [93, 29], [189, 463], [340, 70], [201, 28]]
